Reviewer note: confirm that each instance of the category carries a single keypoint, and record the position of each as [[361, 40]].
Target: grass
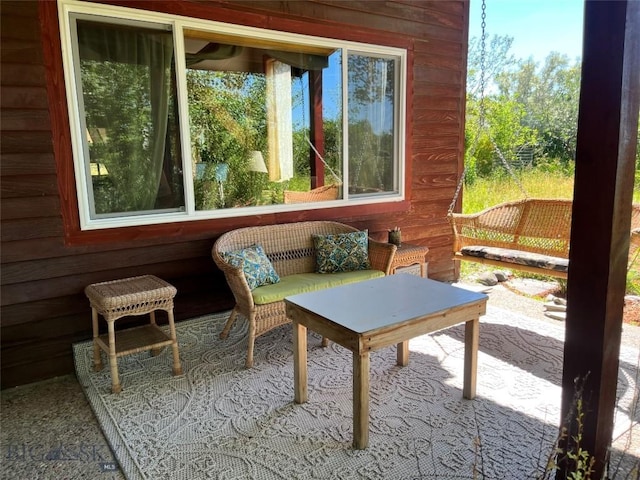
[[485, 192]]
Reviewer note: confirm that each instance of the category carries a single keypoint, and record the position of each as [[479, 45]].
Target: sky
[[538, 27]]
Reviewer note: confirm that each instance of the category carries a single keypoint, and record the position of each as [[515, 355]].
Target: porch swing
[[531, 234]]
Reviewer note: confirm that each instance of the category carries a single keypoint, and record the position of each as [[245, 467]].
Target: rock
[[553, 299], [501, 275], [554, 307], [556, 315], [487, 278], [532, 287]]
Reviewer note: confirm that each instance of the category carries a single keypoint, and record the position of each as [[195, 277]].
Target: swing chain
[[482, 123], [458, 190], [313, 147], [507, 166], [482, 112], [483, 60]]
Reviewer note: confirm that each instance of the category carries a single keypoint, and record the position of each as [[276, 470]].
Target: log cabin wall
[[43, 308]]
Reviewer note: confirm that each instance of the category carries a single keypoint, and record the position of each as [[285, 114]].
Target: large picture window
[[176, 119]]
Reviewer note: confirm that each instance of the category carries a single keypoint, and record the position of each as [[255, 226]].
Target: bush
[[555, 166], [484, 155]]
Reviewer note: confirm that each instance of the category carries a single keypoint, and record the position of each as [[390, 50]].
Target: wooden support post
[[316, 128], [605, 160]]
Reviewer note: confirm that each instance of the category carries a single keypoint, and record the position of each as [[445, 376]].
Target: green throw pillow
[[343, 252], [255, 264]]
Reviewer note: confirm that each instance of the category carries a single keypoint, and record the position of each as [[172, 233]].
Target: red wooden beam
[[316, 128], [605, 165]]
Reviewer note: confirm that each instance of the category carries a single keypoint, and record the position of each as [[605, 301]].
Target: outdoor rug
[[222, 421]]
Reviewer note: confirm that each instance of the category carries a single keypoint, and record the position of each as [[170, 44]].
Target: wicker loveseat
[[290, 248]]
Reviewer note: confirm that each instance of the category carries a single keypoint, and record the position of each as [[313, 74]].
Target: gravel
[[506, 295]]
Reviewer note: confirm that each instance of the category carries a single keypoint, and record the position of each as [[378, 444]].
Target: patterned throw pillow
[[343, 252], [255, 264]]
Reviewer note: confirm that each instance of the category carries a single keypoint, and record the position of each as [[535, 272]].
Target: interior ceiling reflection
[[205, 55]]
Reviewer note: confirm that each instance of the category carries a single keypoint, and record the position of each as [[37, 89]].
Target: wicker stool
[[131, 296]]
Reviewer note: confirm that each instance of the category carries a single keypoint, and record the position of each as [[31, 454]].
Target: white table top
[[383, 301]]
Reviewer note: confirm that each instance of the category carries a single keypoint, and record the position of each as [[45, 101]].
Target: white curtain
[[279, 121], [126, 79], [370, 125]]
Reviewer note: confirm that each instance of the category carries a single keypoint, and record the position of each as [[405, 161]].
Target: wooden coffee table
[[374, 314]]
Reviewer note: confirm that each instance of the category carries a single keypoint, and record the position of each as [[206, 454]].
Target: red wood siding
[[44, 271]]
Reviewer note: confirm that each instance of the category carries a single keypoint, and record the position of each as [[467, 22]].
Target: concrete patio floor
[[48, 429]]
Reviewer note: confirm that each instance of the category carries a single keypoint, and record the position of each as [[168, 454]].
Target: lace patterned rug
[[222, 421]]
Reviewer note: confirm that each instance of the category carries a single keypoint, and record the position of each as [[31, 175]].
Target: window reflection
[[258, 98], [273, 118], [134, 160], [371, 125]]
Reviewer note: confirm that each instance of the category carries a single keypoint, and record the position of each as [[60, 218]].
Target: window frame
[[178, 24]]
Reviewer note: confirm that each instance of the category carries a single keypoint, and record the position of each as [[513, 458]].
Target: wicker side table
[[410, 259], [131, 296]]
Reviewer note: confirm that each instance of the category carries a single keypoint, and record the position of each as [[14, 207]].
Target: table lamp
[[256, 162]]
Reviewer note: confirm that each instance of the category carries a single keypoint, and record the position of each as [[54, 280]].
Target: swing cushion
[[517, 257]]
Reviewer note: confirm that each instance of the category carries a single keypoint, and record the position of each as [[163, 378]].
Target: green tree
[[122, 130], [228, 119], [497, 59], [522, 104], [500, 133], [550, 96], [482, 69]]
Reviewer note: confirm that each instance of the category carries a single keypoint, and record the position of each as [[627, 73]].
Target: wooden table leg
[[300, 363], [471, 336], [360, 400], [402, 354]]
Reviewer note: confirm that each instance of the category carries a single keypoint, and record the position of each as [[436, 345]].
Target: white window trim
[[178, 23]]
